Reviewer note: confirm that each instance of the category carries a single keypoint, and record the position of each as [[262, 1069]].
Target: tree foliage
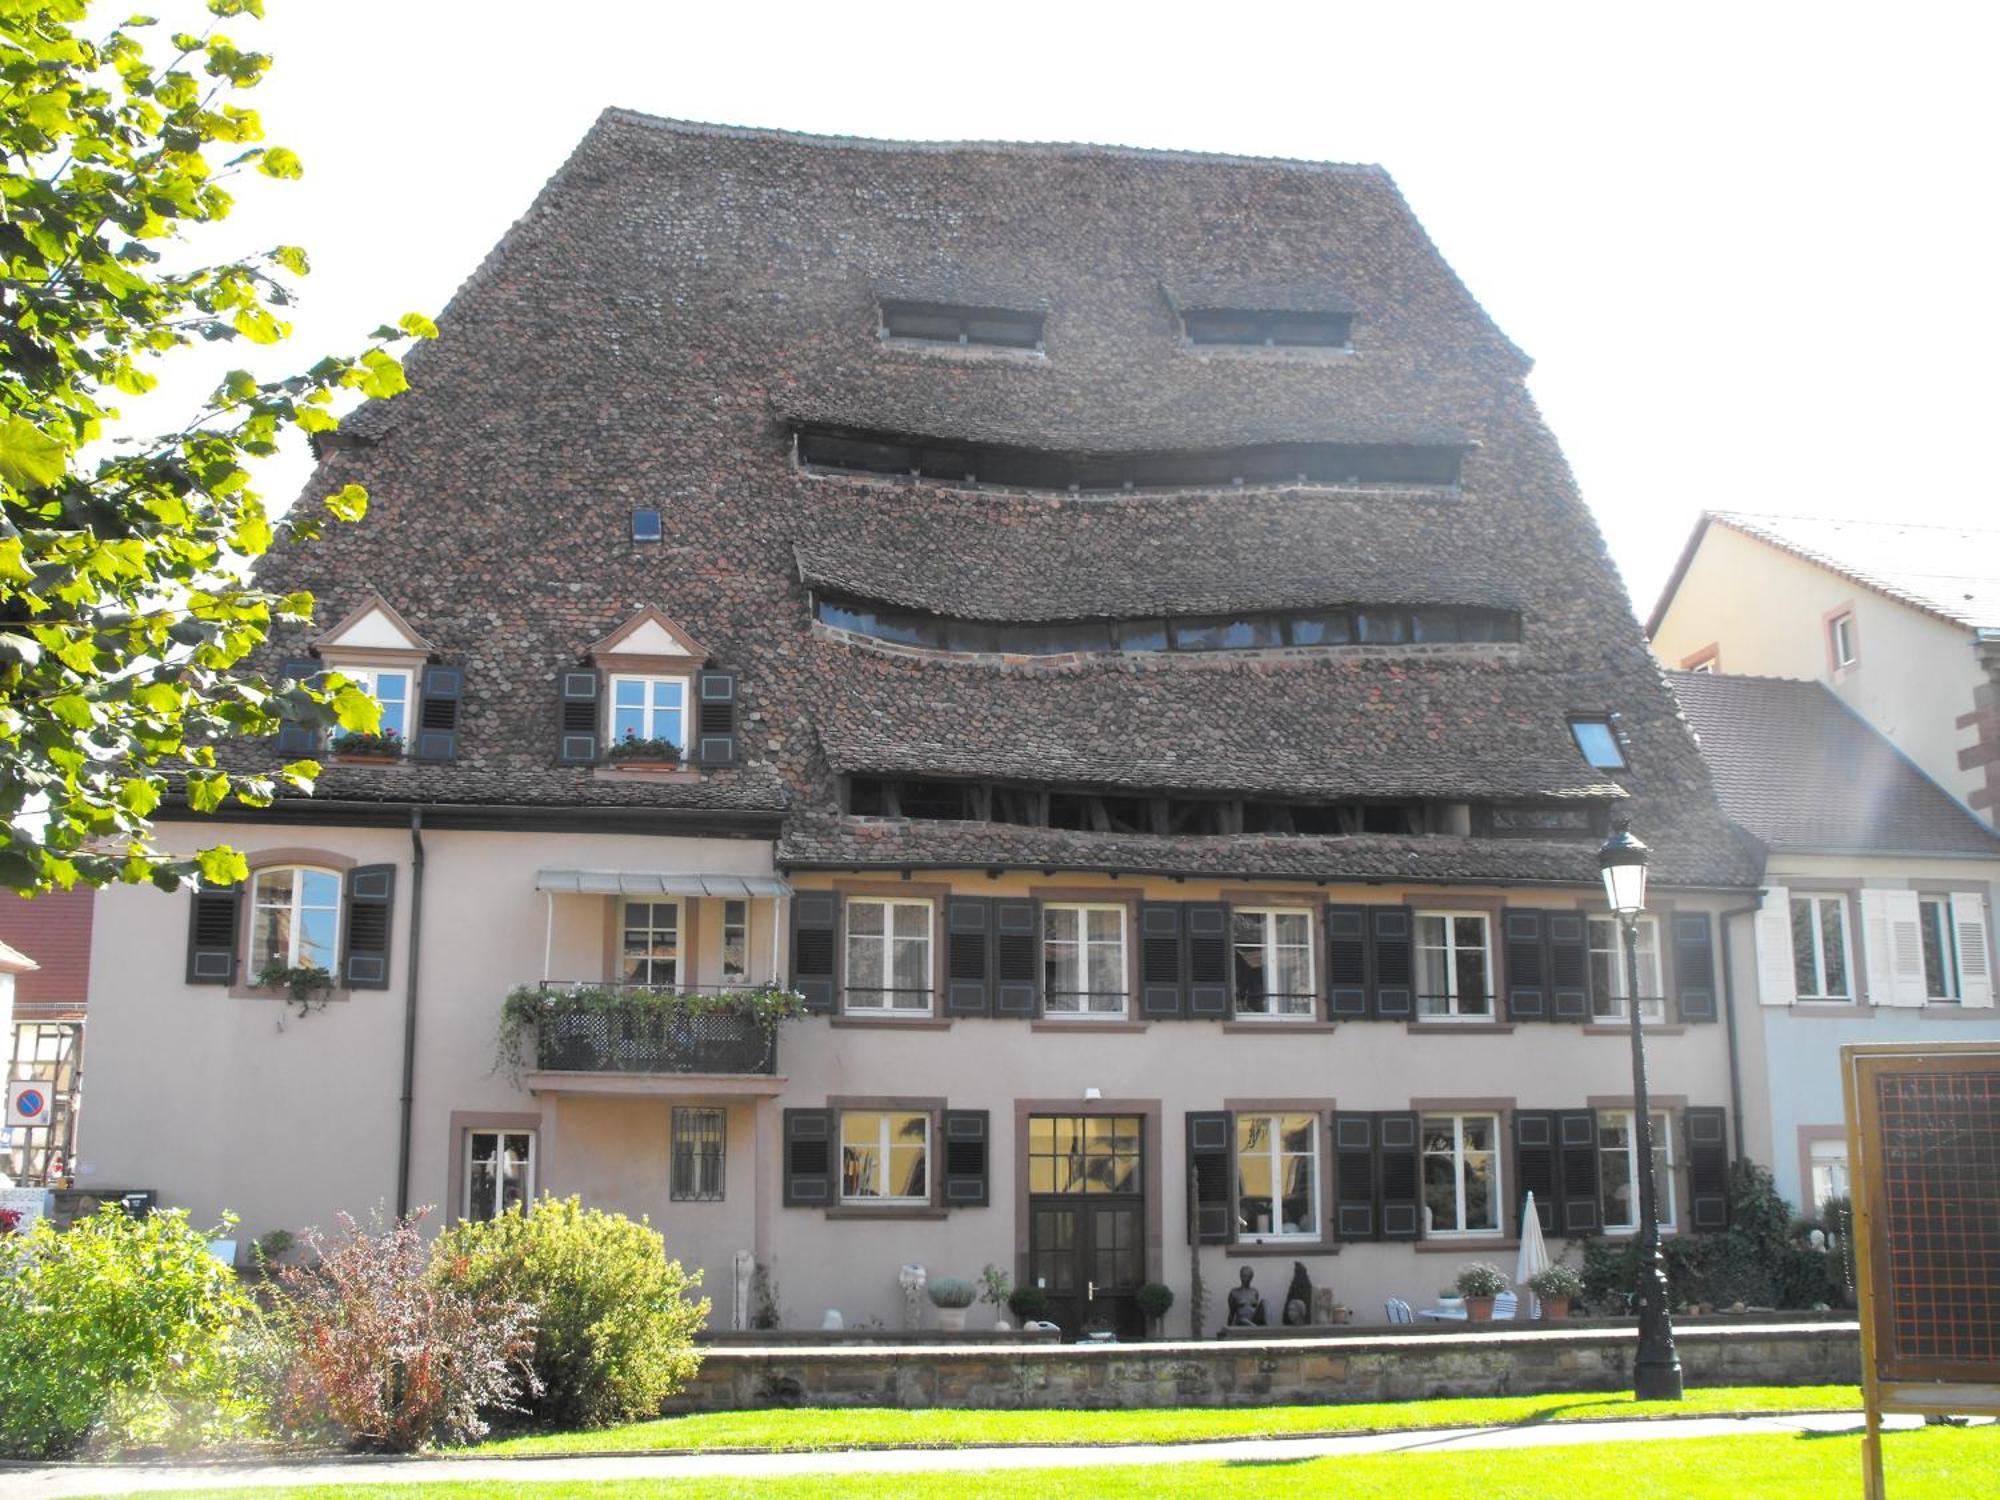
[[126, 611]]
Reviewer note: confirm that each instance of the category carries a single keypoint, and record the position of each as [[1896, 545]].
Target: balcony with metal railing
[[591, 1027]]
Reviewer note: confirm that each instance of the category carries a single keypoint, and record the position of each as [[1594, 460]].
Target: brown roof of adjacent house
[[679, 298], [1951, 571], [55, 929], [1805, 774]]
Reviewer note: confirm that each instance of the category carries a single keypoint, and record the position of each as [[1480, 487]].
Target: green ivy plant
[[307, 984], [126, 606], [531, 1005], [638, 749]]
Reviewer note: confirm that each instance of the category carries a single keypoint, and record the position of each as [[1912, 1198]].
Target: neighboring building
[[1876, 917], [44, 1039], [1900, 620], [1191, 686]]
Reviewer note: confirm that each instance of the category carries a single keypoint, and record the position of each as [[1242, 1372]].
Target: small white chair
[[1398, 1311], [1505, 1306]]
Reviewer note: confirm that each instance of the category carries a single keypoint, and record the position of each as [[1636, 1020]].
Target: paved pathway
[[52, 1482]]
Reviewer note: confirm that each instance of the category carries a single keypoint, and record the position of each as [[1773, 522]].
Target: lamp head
[[1622, 862]]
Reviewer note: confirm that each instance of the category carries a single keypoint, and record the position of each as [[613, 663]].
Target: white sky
[[1750, 246]]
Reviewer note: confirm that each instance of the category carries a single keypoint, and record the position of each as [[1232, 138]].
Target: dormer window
[[1275, 330], [649, 708], [1597, 737], [942, 323], [388, 686]]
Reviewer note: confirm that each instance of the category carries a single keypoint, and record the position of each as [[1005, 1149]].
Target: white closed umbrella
[[1534, 1257]]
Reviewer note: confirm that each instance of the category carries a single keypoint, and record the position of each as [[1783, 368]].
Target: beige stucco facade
[[225, 1100], [1757, 610]]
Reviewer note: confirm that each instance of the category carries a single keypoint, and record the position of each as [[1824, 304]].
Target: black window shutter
[[1535, 1170], [1694, 966], [965, 1158], [808, 1158], [1708, 1169], [1569, 967], [1354, 1165], [298, 739], [213, 926], [1017, 958], [1347, 963], [371, 906], [968, 956], [1527, 967], [1211, 1142], [815, 945], [1402, 1175], [1162, 997], [582, 687], [1576, 1143], [715, 718], [437, 718], [1394, 963], [1208, 960]]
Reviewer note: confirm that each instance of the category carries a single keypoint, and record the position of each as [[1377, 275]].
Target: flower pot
[[951, 1319], [1555, 1308], [1479, 1309]]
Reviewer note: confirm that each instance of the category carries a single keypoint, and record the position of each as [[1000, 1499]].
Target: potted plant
[[362, 746], [1154, 1299], [307, 984], [1027, 1303], [1479, 1284], [1557, 1287], [994, 1285], [951, 1295], [635, 754]]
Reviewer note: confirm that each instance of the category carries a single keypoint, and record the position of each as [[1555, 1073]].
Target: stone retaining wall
[[1371, 1367]]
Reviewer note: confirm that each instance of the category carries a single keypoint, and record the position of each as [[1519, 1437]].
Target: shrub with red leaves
[[384, 1354]]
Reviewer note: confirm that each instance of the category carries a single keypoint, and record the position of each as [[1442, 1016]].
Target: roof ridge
[[1746, 677], [1826, 520], [1013, 148]]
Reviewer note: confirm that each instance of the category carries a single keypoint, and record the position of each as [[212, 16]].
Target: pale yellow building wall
[[1766, 611]]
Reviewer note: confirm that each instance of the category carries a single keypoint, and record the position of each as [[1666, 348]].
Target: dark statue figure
[[1298, 1297], [1246, 1305]]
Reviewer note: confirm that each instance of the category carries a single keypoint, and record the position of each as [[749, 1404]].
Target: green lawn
[[812, 1429], [1929, 1464]]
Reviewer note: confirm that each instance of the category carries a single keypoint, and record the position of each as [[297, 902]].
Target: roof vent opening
[[942, 323], [1243, 328]]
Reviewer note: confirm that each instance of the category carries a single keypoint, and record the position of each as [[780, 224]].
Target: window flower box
[[382, 749], [635, 754]]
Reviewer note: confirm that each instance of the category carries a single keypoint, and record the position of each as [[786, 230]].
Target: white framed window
[[388, 686], [1454, 966], [1618, 1168], [294, 918], [499, 1172], [649, 708], [1598, 740], [1083, 960], [1829, 1172], [888, 955], [650, 950], [885, 1156], [1272, 964], [1942, 974], [1822, 960], [1461, 1174], [1277, 1177], [1840, 639], [735, 942], [1607, 970]]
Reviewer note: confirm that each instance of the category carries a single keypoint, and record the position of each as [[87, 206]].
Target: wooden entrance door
[[1087, 1220]]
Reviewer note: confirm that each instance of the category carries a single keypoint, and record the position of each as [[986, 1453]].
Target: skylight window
[[1277, 330], [645, 526], [1597, 738], [941, 323]]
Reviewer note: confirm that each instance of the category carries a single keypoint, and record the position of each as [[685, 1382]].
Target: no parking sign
[[28, 1103]]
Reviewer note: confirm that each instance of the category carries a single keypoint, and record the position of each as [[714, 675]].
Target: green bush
[[1027, 1302], [615, 1325], [950, 1291], [1155, 1298], [1480, 1280], [121, 1330]]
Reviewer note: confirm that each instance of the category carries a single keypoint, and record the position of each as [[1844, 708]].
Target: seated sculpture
[[1246, 1304]]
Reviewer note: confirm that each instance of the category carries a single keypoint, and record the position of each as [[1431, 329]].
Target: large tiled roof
[[680, 296], [1802, 772], [1949, 571], [1017, 557]]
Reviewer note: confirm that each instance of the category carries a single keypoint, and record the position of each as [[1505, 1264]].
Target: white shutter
[[1906, 943], [1875, 955], [1776, 984], [1975, 963]]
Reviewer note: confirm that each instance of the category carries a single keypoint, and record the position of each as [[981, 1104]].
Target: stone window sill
[[680, 776], [1468, 1245], [1098, 1027], [1461, 1028], [1624, 1028], [1252, 1249], [892, 1023], [1276, 1028], [261, 992], [908, 1211], [1831, 1009]]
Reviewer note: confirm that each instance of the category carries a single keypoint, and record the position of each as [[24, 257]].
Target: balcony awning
[[645, 883]]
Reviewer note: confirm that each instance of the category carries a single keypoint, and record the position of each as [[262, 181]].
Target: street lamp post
[[1656, 1368]]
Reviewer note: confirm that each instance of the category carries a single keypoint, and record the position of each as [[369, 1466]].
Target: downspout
[[410, 1011], [1729, 1016]]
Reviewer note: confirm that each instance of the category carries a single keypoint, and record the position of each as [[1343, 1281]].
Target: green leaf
[[293, 259], [207, 792], [281, 161], [382, 376], [258, 326], [417, 325], [138, 797], [222, 865], [349, 503], [30, 458]]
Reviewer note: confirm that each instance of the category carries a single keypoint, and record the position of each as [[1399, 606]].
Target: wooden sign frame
[[1895, 1378]]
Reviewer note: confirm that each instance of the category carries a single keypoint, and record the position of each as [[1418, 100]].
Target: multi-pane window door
[[1820, 952], [1618, 1168], [1462, 1173], [295, 918], [1272, 953], [1454, 966], [888, 954], [1083, 960], [1607, 970], [1277, 1176], [651, 951], [499, 1171]]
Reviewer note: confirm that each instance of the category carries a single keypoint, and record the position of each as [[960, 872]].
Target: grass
[[816, 1429], [1927, 1464]]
